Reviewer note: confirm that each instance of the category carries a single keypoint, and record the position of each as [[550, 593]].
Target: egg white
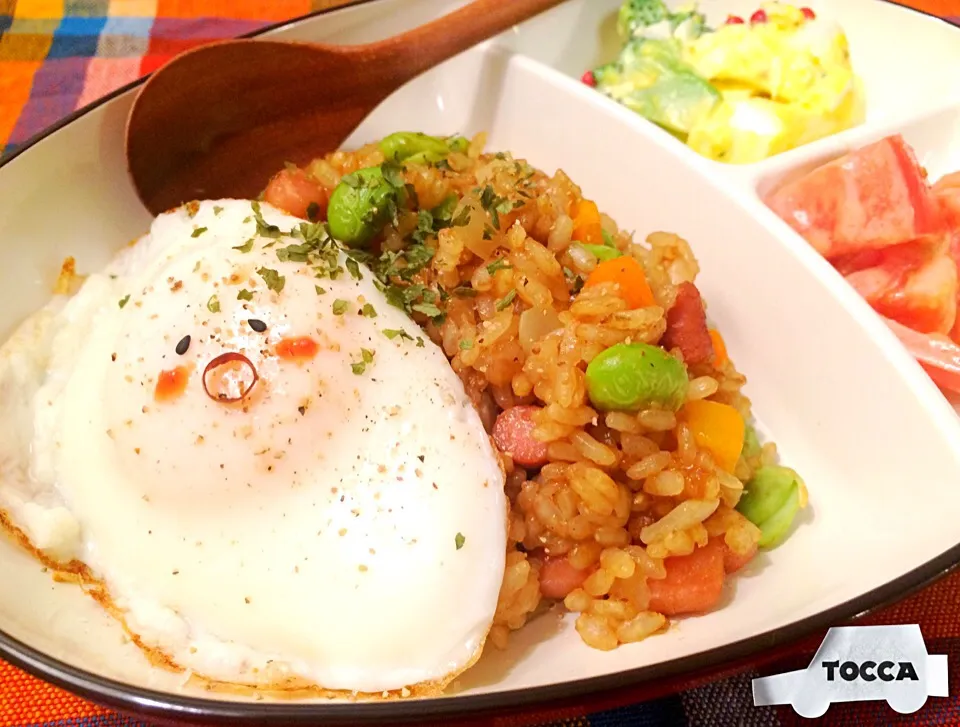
[[340, 529]]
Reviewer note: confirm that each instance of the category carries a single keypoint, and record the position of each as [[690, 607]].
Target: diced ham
[[871, 198], [687, 326]]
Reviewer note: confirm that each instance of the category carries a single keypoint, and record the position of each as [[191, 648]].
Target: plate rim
[[136, 700]]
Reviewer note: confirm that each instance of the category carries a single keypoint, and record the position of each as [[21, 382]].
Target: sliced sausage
[[513, 434], [687, 326], [297, 194], [558, 577]]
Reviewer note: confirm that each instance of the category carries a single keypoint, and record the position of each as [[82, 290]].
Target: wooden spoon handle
[[418, 50]]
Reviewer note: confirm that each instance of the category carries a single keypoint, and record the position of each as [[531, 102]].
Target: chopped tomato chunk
[[938, 356], [871, 198]]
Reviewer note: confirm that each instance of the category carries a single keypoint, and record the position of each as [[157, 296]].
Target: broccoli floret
[[639, 14]]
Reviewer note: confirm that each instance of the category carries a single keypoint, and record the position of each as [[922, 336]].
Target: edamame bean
[[770, 500], [360, 206], [413, 146], [751, 444], [602, 252], [633, 376]]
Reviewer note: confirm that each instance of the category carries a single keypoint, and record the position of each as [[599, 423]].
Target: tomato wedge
[[938, 356], [868, 199]]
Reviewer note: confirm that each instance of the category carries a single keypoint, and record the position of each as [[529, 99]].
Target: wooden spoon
[[217, 121]]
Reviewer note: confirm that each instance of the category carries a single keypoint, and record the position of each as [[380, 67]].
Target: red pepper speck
[[302, 347], [171, 383], [808, 13], [589, 79], [734, 20], [759, 17]]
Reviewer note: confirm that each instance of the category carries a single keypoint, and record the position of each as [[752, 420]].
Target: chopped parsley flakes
[[506, 300], [245, 247], [340, 307], [244, 295], [498, 264], [368, 310], [123, 300], [366, 357], [263, 229], [198, 231], [272, 278], [213, 304], [459, 540], [392, 333]]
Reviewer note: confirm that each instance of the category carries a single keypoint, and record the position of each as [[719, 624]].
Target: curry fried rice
[[634, 474]]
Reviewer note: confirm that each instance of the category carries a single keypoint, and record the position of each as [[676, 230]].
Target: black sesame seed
[[183, 345], [257, 325]]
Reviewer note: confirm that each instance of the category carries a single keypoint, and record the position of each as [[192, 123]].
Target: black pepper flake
[[183, 345], [257, 325]]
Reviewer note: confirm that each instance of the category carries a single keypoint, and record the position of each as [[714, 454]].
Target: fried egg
[[279, 479]]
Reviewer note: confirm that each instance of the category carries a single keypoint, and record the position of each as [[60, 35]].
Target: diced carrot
[[693, 583], [718, 428], [732, 562], [294, 192], [628, 273], [558, 577], [720, 356], [513, 434], [586, 224]]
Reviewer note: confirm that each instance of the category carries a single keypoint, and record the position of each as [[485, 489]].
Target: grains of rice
[[702, 387], [621, 491], [640, 626], [649, 466], [666, 483], [596, 632], [687, 514], [657, 420]]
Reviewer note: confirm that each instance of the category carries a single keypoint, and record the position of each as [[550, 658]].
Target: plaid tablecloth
[[58, 55]]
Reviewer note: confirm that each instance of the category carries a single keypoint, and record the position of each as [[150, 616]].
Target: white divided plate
[[877, 443]]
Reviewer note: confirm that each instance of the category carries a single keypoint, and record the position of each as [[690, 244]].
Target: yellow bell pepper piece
[[717, 428]]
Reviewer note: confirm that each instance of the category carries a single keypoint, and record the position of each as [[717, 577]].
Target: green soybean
[[771, 500], [633, 376], [413, 146], [751, 444], [360, 206], [602, 252]]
